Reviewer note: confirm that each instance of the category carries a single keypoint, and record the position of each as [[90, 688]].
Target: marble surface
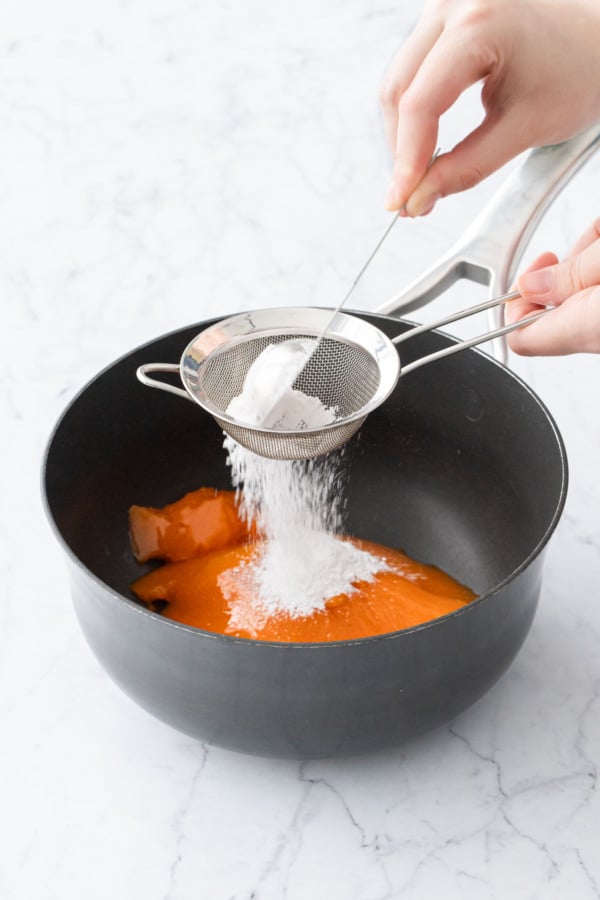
[[161, 162]]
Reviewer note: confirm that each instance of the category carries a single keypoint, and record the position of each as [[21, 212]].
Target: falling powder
[[296, 506], [301, 562]]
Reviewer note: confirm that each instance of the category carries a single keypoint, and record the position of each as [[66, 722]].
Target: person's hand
[[540, 67], [573, 288]]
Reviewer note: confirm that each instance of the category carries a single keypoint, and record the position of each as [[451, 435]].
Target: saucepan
[[462, 466]]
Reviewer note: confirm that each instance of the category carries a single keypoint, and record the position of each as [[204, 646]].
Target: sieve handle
[[473, 342], [144, 377], [455, 317]]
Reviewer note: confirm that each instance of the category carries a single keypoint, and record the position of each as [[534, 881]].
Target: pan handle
[[143, 376], [491, 248]]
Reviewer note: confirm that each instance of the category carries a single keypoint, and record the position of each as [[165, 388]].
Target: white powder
[[268, 398], [297, 506], [302, 563], [298, 583]]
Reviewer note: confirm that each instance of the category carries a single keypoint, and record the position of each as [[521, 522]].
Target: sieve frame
[[282, 322]]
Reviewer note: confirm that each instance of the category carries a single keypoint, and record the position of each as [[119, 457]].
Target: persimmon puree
[[201, 521], [204, 551]]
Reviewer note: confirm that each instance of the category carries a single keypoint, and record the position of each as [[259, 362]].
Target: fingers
[[552, 285], [521, 307], [447, 70], [573, 327], [403, 69], [482, 152]]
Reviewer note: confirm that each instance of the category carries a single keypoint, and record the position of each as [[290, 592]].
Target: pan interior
[[462, 467]]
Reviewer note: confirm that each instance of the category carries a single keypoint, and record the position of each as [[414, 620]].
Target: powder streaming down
[[297, 508]]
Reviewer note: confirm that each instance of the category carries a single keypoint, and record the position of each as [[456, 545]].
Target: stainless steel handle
[[142, 375], [491, 248], [472, 342]]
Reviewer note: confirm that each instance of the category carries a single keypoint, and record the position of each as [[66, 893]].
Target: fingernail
[[539, 282], [392, 198], [423, 205]]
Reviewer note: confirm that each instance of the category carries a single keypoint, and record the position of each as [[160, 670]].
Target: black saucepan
[[462, 467]]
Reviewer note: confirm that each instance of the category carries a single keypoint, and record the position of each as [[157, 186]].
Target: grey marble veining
[[163, 162]]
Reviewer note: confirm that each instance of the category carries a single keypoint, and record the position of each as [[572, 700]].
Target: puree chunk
[[201, 521]]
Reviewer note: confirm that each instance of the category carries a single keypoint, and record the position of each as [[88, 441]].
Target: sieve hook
[[144, 378]]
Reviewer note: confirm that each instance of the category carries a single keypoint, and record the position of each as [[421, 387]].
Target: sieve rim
[[308, 321]]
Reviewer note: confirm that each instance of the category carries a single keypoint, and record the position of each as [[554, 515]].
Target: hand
[[540, 67], [573, 287]]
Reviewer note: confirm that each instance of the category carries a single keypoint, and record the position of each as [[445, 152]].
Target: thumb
[[523, 305], [483, 151], [552, 285]]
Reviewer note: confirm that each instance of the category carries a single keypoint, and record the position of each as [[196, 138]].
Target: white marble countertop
[[162, 162]]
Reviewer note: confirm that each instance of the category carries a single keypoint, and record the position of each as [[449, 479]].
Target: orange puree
[[201, 521], [411, 594], [204, 537]]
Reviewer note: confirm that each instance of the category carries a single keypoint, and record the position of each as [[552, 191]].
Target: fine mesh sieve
[[488, 254], [354, 368]]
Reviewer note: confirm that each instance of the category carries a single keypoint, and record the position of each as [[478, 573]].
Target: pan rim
[[309, 645]]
